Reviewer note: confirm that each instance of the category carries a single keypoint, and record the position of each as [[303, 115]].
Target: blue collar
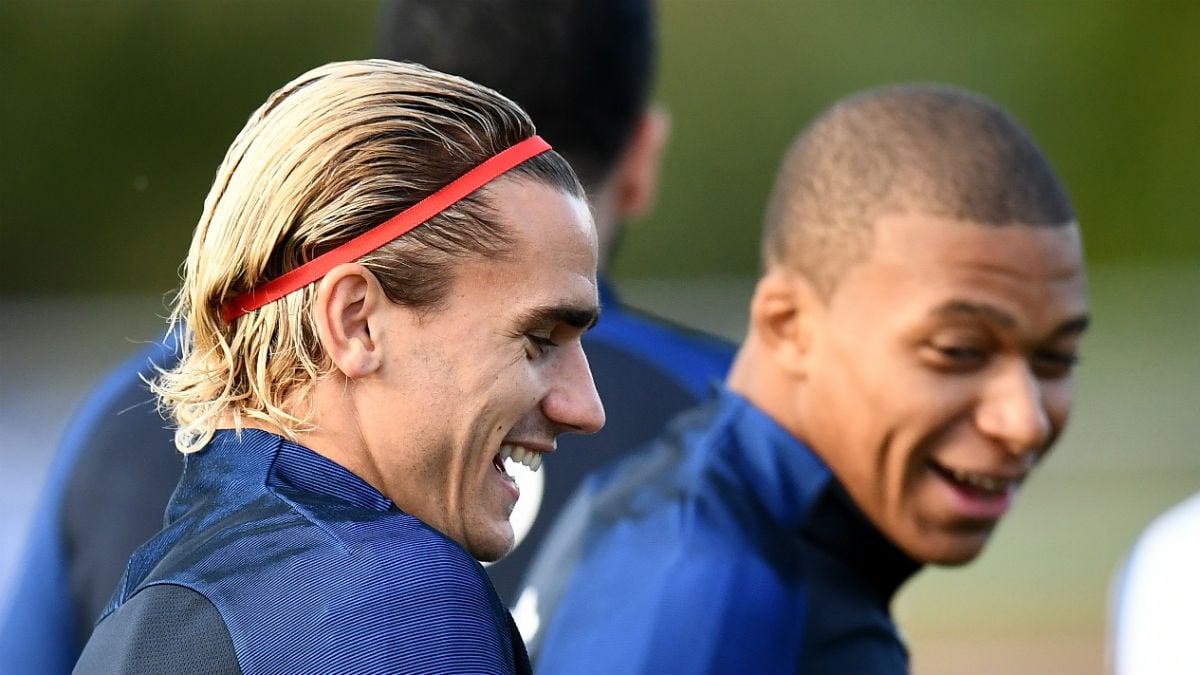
[[802, 495], [784, 474], [229, 464]]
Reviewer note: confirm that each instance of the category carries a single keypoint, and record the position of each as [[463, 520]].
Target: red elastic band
[[391, 229]]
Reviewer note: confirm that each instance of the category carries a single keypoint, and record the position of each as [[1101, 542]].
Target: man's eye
[[1053, 365], [538, 345], [959, 358]]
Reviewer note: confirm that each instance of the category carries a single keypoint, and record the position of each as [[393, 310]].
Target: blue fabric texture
[[38, 632], [646, 371], [314, 571], [726, 547]]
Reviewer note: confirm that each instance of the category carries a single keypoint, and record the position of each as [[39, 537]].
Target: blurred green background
[[114, 116]]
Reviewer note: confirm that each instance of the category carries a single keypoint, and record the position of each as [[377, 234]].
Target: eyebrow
[[961, 308], [577, 317]]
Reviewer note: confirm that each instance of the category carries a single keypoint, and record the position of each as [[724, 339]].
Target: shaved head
[[903, 149]]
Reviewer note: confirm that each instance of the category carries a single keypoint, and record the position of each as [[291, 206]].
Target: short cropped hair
[[332, 154], [582, 69], [902, 149]]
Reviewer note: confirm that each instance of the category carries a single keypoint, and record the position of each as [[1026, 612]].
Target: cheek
[[1058, 398]]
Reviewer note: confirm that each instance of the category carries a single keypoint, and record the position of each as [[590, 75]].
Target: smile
[[981, 485], [530, 458]]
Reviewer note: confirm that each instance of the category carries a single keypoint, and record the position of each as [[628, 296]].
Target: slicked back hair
[[332, 154], [903, 149], [582, 69]]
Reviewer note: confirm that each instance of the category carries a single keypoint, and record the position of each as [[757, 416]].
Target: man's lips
[[984, 484], [979, 495]]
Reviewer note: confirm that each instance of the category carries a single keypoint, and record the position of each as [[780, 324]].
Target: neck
[[336, 433], [756, 378]]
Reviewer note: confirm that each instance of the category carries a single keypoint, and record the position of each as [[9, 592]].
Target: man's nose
[[573, 401], [1012, 410]]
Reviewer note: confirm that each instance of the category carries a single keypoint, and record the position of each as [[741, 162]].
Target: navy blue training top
[[308, 569], [116, 467], [726, 547]]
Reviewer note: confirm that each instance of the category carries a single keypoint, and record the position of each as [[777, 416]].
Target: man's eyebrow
[[577, 317], [962, 308]]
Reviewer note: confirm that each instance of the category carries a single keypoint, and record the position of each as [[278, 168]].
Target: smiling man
[[908, 363], [384, 298]]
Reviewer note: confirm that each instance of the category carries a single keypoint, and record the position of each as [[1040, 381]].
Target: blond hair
[[332, 154]]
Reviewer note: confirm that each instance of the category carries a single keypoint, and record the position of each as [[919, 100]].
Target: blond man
[[383, 302]]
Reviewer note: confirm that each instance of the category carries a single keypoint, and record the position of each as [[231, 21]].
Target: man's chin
[[494, 548], [950, 551]]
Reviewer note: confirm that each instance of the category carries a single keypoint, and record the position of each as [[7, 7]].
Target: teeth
[[985, 483], [531, 459]]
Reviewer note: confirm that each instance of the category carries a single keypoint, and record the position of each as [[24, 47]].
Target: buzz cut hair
[[913, 148]]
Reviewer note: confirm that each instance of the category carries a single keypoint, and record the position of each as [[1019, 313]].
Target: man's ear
[[346, 298], [784, 314], [637, 173]]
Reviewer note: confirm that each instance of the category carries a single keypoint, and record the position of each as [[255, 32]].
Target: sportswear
[[95, 510], [726, 546], [292, 564]]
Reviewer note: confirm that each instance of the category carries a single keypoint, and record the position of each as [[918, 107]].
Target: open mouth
[[977, 485], [531, 459]]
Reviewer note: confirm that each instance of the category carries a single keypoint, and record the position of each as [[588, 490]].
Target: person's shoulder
[[1162, 561], [123, 390], [164, 628], [685, 608], [1155, 595], [691, 357], [420, 599], [396, 556], [373, 592], [684, 467]]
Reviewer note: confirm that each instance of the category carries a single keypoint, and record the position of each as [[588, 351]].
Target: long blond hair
[[330, 155]]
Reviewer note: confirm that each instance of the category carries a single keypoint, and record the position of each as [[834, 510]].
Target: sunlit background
[[114, 116]]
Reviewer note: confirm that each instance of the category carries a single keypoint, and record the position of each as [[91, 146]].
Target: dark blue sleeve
[[55, 598], [162, 629]]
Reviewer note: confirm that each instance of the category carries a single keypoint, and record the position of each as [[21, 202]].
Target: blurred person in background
[[583, 69], [909, 360], [1156, 594], [383, 300]]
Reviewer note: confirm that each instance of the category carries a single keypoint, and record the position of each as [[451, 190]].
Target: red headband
[[391, 229]]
